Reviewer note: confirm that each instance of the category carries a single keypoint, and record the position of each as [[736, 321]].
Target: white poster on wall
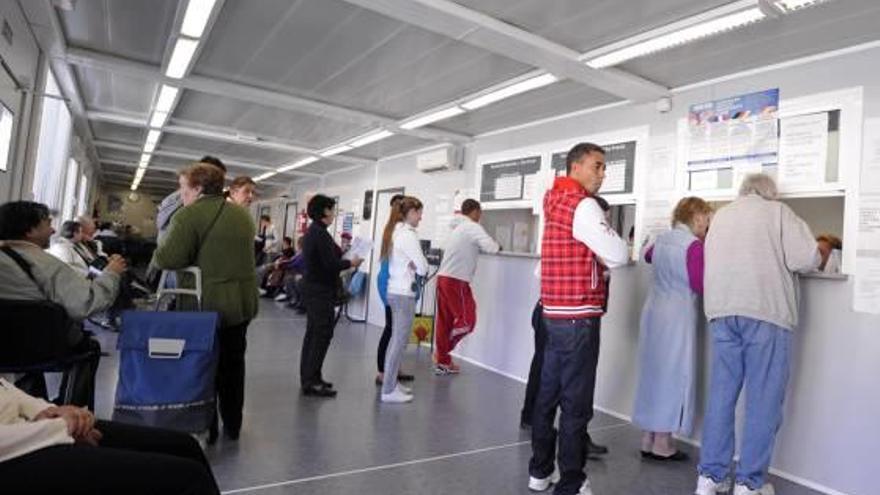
[[803, 150], [508, 187], [661, 168], [655, 219], [615, 177], [866, 287]]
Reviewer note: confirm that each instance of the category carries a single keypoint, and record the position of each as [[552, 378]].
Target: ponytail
[[399, 210]]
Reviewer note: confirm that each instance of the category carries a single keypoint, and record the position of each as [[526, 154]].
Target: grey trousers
[[403, 310]]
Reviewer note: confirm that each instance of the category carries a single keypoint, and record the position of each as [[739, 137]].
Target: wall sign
[[740, 129], [620, 165], [510, 180]]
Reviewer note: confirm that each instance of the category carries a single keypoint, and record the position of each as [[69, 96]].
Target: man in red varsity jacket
[[577, 248]]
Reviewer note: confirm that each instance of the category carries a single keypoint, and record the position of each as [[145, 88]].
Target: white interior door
[[381, 211]]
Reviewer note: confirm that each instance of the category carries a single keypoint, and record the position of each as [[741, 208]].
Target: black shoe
[[318, 391], [231, 434], [404, 377], [326, 384], [595, 449], [677, 456]]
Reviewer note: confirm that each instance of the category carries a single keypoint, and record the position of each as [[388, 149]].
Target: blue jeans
[[568, 380], [757, 352]]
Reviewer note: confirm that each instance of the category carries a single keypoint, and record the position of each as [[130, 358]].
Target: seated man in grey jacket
[[28, 273], [754, 251]]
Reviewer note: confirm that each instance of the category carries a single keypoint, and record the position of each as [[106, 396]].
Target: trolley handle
[[196, 292]]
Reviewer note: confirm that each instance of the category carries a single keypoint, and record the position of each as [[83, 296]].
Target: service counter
[[833, 401]]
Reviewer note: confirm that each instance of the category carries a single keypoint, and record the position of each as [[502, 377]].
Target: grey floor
[[459, 436]]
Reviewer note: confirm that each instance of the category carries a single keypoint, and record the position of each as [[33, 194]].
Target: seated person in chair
[[48, 449], [27, 273]]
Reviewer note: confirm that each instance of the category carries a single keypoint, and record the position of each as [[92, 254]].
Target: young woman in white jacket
[[401, 246]]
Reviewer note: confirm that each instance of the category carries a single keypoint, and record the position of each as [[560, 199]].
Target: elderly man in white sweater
[[456, 308], [50, 449], [754, 251]]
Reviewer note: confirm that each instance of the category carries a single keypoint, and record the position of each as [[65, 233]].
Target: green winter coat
[[226, 258]]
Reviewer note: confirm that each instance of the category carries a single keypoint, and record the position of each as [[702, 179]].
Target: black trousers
[[383, 341], [568, 380], [537, 363], [230, 375], [130, 459], [320, 320]]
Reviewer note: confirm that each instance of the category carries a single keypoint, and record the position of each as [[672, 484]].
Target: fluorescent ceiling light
[[149, 146], [791, 5], [371, 138], [158, 119], [166, 98], [432, 117], [265, 176], [298, 164], [134, 187], [153, 136], [678, 37], [145, 159], [196, 17], [342, 148], [513, 89], [183, 53]]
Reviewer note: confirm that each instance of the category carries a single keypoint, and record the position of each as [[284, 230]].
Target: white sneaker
[[543, 484], [262, 292], [403, 388], [281, 297], [708, 486], [586, 489], [767, 489], [396, 397]]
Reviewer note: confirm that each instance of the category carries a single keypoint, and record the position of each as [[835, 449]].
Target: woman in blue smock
[[666, 393]]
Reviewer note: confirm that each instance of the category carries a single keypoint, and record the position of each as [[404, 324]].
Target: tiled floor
[[459, 436]]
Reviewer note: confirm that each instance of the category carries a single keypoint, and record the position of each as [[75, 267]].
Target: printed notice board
[[620, 165], [509, 180]]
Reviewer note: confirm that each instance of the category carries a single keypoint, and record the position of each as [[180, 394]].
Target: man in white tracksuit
[[456, 308]]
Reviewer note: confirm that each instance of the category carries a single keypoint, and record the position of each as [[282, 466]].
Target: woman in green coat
[[217, 236]]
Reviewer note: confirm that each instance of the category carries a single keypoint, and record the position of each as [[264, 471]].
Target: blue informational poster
[[728, 132]]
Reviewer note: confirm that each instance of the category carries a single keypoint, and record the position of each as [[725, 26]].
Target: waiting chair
[[37, 339]]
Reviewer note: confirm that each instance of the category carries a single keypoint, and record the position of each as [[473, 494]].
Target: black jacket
[[323, 259]]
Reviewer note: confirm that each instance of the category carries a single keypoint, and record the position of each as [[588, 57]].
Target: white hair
[[761, 184]]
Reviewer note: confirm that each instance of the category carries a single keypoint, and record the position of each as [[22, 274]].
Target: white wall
[[830, 435]]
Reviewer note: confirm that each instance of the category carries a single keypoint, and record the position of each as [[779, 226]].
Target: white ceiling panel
[[260, 120], [557, 99], [392, 145], [330, 50], [105, 90], [136, 29], [324, 166], [258, 156], [818, 29], [583, 25], [120, 155], [105, 131]]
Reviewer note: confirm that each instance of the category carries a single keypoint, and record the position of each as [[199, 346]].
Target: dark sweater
[[323, 259]]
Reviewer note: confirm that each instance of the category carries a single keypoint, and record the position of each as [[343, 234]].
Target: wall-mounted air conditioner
[[446, 158]]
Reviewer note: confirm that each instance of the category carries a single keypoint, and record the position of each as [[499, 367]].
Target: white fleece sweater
[[19, 434]]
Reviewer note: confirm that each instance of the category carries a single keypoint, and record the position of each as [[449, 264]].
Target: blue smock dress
[[666, 394]]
